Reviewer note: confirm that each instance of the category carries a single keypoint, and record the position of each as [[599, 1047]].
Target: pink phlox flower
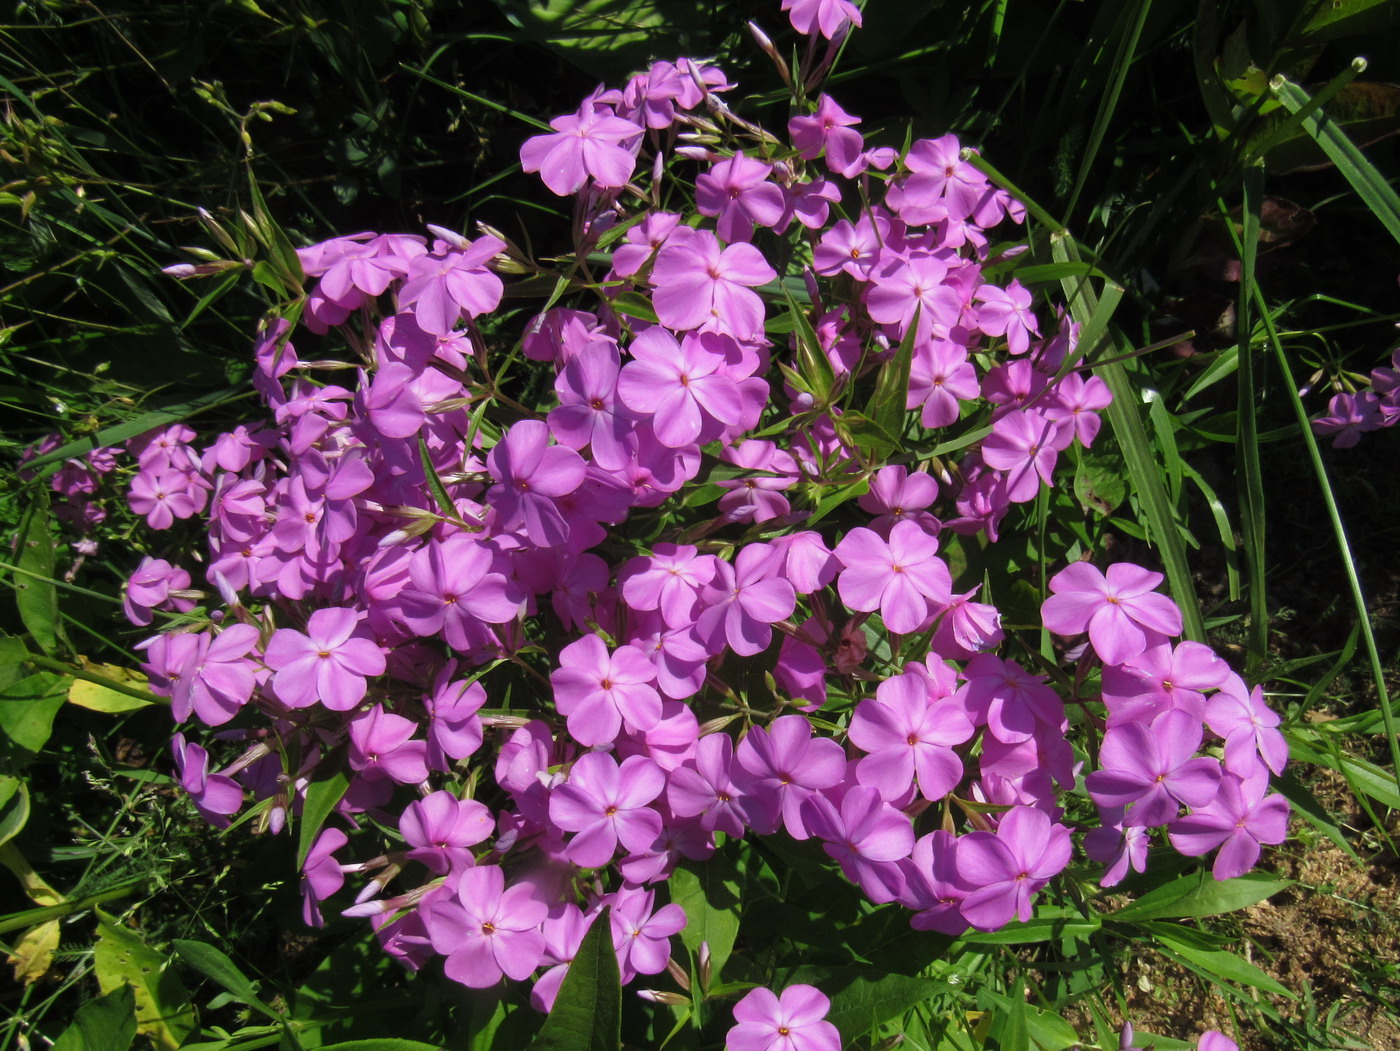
[[677, 656], [867, 837], [700, 284], [757, 497], [940, 379], [605, 804], [454, 586], [382, 745], [364, 271], [827, 17], [560, 333], [487, 930], [907, 736], [809, 202], [670, 743], [219, 677], [443, 285], [1076, 399], [642, 241], [665, 87], [737, 191], [1016, 385], [1162, 677], [389, 402], [966, 628], [589, 414], [938, 163], [668, 580], [902, 577], [166, 495], [454, 730], [1249, 727], [680, 838], [1009, 867], [781, 767], [1118, 846], [592, 143], [321, 875], [704, 787], [1120, 611], [1242, 816], [531, 474], [1012, 702], [851, 248], [328, 664], [895, 495], [933, 887], [1025, 444], [1215, 1040], [442, 829], [812, 133], [598, 691], [801, 667], [902, 288], [808, 564], [1151, 768], [163, 449], [215, 796], [1349, 417], [156, 584], [742, 600], [683, 387], [642, 938], [793, 1022], [581, 593]]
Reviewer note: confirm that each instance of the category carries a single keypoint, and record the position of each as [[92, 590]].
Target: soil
[[1333, 938]]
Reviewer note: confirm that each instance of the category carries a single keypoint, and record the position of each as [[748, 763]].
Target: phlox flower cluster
[[393, 541], [1352, 414]]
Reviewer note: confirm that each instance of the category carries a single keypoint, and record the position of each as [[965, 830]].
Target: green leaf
[[382, 1044], [708, 891], [1369, 184], [321, 798], [1216, 964], [887, 405], [215, 964], [27, 711], [35, 593], [105, 1024], [587, 1013], [14, 807], [1050, 923], [1100, 480], [1336, 19], [813, 364], [120, 958], [1198, 895], [634, 304]]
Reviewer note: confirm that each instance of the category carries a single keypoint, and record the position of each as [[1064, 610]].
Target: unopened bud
[[677, 972], [706, 966], [656, 996], [453, 238], [715, 725], [766, 46]]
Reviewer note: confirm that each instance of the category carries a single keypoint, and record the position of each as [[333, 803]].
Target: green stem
[[88, 676], [30, 917]]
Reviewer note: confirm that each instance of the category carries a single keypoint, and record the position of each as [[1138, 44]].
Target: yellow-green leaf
[[99, 698], [163, 1009], [34, 952]]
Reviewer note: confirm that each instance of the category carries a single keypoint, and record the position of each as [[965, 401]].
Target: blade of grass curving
[[1129, 31], [1223, 527], [480, 100], [1143, 467], [1329, 499], [1251, 476], [1368, 183], [147, 421]]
